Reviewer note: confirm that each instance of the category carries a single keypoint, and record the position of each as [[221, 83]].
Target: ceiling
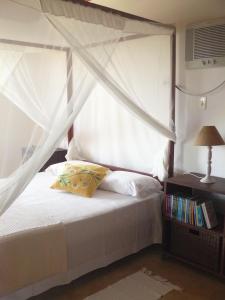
[[170, 11]]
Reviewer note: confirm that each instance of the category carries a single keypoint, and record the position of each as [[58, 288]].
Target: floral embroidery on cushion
[[80, 179]]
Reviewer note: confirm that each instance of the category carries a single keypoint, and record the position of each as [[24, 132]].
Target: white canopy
[[63, 62]]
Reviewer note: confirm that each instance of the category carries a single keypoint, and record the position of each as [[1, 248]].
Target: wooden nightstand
[[198, 246], [57, 156]]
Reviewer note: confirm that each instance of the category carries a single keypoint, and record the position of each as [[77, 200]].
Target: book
[[184, 210], [209, 214], [174, 207], [179, 209], [187, 211], [191, 210], [200, 217], [171, 206], [190, 213]]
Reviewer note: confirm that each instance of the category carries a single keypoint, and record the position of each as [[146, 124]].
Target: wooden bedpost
[[173, 103], [69, 61]]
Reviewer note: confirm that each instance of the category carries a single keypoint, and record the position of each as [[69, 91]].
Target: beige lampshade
[[209, 136]]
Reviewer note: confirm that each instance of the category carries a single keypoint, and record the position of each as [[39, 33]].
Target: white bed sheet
[[99, 230]]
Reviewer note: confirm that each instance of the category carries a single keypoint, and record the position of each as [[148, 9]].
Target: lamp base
[[208, 179]]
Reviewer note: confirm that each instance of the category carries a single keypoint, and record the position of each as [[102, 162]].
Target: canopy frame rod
[[55, 47]]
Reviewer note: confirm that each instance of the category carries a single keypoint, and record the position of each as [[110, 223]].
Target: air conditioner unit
[[205, 45]]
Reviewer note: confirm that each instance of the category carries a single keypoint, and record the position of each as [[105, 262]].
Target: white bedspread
[[98, 230], [31, 256]]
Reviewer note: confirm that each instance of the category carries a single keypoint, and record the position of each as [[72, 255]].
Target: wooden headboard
[[114, 168], [57, 157]]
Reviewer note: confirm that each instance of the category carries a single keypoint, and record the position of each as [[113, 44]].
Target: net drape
[[41, 93]]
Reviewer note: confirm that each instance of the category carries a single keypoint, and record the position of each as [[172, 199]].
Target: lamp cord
[[192, 174]]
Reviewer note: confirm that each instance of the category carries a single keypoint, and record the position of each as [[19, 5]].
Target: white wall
[[190, 117]]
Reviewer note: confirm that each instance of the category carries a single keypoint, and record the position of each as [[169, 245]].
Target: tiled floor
[[196, 285]]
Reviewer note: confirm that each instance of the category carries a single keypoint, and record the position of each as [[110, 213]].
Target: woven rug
[[141, 285]]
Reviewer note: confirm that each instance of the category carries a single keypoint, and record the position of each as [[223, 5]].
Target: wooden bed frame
[[59, 155], [115, 168]]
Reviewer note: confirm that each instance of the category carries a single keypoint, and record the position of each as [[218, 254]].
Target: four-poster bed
[[92, 233]]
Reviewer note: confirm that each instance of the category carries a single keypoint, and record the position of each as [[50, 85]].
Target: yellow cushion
[[80, 179]]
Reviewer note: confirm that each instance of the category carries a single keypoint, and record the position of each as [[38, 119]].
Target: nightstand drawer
[[197, 246]]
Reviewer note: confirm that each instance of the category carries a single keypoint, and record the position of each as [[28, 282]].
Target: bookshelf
[[201, 247]]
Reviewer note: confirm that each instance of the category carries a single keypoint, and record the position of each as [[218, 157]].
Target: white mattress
[[99, 230]]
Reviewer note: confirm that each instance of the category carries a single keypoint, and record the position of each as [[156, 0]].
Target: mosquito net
[[61, 63]]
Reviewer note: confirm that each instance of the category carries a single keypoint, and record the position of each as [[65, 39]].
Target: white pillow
[[130, 183], [58, 168]]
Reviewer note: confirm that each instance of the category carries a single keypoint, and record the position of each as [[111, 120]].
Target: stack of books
[[191, 210]]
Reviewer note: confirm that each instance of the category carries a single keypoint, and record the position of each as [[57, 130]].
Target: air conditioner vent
[[205, 45], [209, 42]]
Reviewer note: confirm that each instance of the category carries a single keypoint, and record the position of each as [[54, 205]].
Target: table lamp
[[209, 136]]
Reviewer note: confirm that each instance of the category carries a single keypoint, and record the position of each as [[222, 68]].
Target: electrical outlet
[[203, 103]]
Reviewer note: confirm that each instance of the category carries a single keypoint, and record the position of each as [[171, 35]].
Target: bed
[[111, 225], [47, 237]]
